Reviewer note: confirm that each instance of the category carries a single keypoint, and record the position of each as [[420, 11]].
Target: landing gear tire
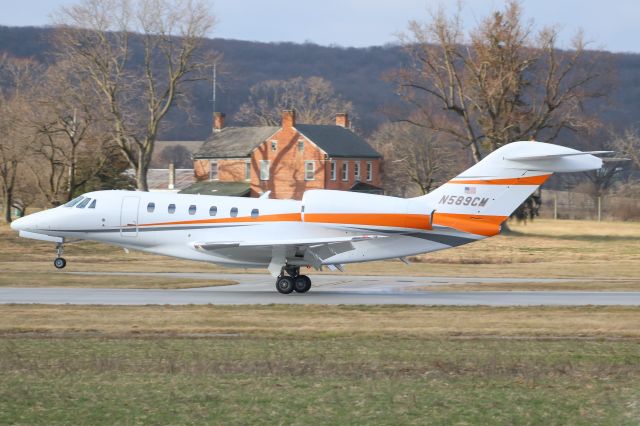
[[284, 285], [59, 262], [302, 284]]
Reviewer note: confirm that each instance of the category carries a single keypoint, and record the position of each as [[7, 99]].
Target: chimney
[[218, 121], [288, 118], [342, 119], [172, 176]]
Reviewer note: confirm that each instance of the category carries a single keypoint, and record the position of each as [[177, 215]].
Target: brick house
[[289, 159]]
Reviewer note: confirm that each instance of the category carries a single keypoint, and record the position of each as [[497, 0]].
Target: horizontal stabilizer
[[550, 156]]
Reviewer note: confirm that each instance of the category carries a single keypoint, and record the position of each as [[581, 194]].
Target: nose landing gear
[[59, 261], [294, 282]]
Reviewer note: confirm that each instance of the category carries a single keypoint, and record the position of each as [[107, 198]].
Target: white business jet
[[326, 228]]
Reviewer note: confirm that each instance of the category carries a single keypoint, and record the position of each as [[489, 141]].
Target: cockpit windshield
[[83, 204], [74, 201]]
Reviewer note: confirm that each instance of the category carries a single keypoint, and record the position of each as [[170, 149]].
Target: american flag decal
[[470, 190]]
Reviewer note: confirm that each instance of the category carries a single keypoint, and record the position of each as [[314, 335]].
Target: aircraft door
[[129, 217]]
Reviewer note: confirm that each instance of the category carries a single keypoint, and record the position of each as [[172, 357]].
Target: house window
[[255, 213], [309, 170], [171, 209], [247, 170], [151, 207], [356, 171], [345, 170], [213, 211], [213, 170], [332, 170], [264, 169], [274, 145], [369, 171], [192, 209], [234, 212], [300, 145]]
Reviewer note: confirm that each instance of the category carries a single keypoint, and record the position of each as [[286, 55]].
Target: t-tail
[[482, 197]]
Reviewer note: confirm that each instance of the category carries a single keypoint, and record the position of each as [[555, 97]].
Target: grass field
[[319, 365]]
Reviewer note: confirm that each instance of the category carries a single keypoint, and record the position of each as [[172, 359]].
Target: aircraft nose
[[16, 225], [23, 224]]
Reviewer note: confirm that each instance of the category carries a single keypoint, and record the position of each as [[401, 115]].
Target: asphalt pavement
[[259, 289]]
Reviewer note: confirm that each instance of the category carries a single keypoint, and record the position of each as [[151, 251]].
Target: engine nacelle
[[365, 210]]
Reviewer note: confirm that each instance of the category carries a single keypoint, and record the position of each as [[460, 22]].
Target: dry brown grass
[[318, 321], [61, 279]]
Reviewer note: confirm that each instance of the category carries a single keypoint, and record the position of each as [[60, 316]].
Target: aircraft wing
[[313, 250]]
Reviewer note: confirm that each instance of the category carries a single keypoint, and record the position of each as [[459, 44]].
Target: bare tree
[[314, 100], [501, 84], [69, 147], [628, 145], [17, 74], [97, 36], [412, 158]]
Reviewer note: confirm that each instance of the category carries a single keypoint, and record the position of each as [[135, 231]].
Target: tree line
[[121, 72]]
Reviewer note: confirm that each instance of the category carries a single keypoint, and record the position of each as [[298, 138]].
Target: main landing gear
[[59, 261], [293, 282]]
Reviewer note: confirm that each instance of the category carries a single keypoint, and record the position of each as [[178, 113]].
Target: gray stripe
[[449, 240], [145, 229]]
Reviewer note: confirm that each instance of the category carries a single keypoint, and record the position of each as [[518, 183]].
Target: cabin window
[[247, 170], [151, 207], [274, 145], [255, 213], [234, 211], [369, 171], [171, 209], [300, 145], [83, 204], [356, 170], [345, 171], [332, 170], [309, 170], [93, 204], [213, 211], [264, 169], [213, 170], [192, 209], [74, 201]]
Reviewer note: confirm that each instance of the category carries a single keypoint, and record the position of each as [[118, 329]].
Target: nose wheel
[[293, 282], [59, 261]]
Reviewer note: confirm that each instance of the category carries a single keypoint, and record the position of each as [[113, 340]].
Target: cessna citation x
[[325, 228]]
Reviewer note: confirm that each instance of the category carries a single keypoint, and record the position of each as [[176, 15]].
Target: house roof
[[234, 189], [337, 141], [234, 142], [238, 142]]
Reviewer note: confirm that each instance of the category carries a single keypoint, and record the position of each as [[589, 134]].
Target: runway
[[258, 289]]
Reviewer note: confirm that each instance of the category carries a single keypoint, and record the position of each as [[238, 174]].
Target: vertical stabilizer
[[485, 195]]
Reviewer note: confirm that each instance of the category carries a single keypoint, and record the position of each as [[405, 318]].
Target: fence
[[575, 205]]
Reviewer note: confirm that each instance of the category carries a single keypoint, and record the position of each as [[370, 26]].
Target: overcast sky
[[612, 25]]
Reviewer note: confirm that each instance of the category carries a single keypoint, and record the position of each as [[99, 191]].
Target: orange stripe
[[529, 180], [397, 220], [475, 224], [285, 217]]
